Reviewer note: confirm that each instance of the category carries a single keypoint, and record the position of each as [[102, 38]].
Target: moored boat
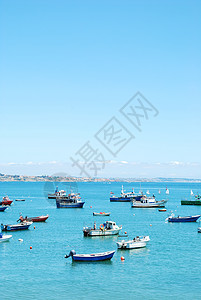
[[125, 197], [162, 209], [4, 237], [6, 201], [57, 193], [105, 229], [19, 200], [91, 257], [71, 200], [33, 219], [20, 226], [137, 242], [3, 207], [196, 201], [101, 214], [148, 202], [172, 218]]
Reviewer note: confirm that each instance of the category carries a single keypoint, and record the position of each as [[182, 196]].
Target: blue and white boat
[[148, 202], [91, 257], [125, 197], [4, 238], [3, 207], [21, 226], [71, 200], [172, 218]]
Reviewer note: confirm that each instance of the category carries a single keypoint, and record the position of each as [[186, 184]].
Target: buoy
[[30, 247], [122, 258], [20, 240], [90, 206], [34, 227], [150, 224], [125, 232]]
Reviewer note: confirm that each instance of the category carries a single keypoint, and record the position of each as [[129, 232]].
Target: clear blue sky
[[67, 67]]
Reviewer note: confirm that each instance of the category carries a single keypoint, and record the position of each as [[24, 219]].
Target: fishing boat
[[137, 242], [148, 202], [57, 193], [4, 238], [91, 257], [6, 201], [172, 218], [71, 200], [33, 219], [101, 214], [20, 226], [125, 197], [105, 229], [3, 207], [196, 201]]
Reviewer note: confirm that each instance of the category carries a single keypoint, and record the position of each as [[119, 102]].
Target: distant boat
[[19, 199], [196, 201], [101, 214], [34, 219], [124, 197], [137, 242], [162, 209], [21, 226], [4, 238], [167, 191], [71, 200], [172, 218], [148, 202], [159, 191], [106, 229], [57, 193], [192, 193], [90, 257], [3, 207], [148, 193]]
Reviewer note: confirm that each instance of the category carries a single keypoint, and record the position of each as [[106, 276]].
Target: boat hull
[[148, 205], [36, 219], [101, 214], [125, 199], [190, 202], [183, 219], [99, 232], [69, 205], [2, 208], [93, 257]]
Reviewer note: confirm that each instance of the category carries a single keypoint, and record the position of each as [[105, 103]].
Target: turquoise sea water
[[168, 268]]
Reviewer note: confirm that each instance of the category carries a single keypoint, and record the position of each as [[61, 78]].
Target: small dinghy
[[162, 209], [172, 218], [33, 219], [19, 200], [91, 257], [137, 242], [101, 214], [5, 238], [21, 226], [3, 207], [6, 201]]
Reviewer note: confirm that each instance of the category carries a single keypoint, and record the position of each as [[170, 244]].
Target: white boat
[[192, 193], [137, 242], [148, 202], [4, 237], [101, 214], [105, 229], [159, 191], [148, 193], [167, 191]]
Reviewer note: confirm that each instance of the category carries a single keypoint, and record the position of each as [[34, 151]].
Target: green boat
[[197, 201]]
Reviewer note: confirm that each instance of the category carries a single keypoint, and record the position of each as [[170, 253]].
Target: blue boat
[[91, 257], [172, 218], [125, 197], [21, 226], [3, 207], [69, 201]]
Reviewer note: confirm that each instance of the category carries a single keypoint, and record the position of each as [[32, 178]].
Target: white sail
[[167, 191], [148, 192], [191, 193], [159, 191]]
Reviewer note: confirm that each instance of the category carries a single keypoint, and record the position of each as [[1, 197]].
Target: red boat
[[34, 219], [6, 201]]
